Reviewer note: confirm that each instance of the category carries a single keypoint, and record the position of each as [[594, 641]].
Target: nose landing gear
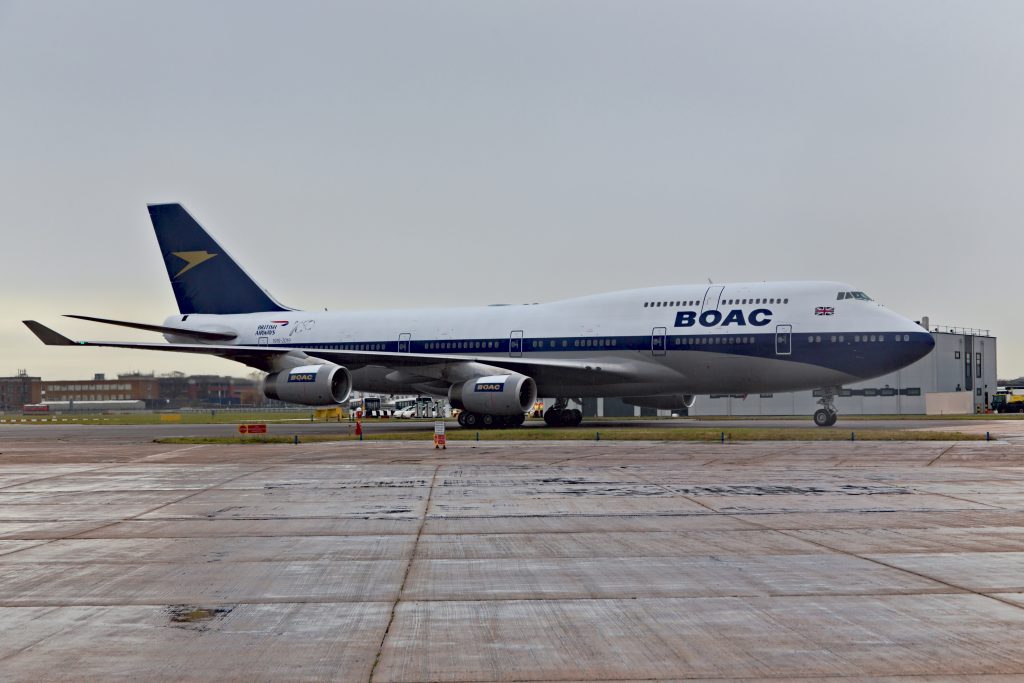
[[827, 415]]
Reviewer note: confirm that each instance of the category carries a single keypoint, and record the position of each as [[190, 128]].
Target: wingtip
[[46, 335]]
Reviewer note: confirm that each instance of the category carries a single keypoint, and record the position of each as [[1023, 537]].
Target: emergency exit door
[[783, 340], [403, 342]]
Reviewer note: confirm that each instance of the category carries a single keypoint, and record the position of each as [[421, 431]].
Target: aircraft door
[[783, 340], [515, 343], [263, 341], [658, 341], [404, 342], [711, 298]]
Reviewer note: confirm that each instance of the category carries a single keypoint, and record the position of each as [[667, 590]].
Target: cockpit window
[[860, 296]]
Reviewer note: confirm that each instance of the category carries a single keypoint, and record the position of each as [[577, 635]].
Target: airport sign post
[[440, 440]]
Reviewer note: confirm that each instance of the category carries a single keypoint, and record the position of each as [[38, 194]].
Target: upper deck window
[[860, 296]]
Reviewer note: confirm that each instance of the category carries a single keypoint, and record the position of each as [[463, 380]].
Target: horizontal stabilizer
[[46, 335], [198, 334]]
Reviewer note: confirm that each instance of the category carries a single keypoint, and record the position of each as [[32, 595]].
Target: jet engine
[[310, 385], [673, 402], [511, 394]]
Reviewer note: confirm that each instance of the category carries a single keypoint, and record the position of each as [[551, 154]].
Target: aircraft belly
[[681, 373], [708, 373]]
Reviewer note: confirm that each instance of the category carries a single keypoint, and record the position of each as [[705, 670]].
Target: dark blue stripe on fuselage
[[856, 355]]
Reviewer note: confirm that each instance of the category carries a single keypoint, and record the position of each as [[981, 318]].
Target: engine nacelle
[[673, 402], [310, 385], [511, 394]]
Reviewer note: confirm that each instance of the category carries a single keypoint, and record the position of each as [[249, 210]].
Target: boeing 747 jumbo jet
[[654, 347]]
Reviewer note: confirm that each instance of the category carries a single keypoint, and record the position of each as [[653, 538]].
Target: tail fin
[[204, 278]]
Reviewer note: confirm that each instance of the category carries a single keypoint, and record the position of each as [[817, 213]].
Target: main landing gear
[[826, 416], [560, 415], [488, 421]]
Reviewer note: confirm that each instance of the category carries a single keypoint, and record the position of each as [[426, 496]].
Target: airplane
[[656, 347]]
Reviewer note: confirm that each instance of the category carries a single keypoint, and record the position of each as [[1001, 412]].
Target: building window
[[956, 354]]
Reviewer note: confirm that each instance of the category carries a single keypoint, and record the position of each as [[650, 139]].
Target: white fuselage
[[686, 339]]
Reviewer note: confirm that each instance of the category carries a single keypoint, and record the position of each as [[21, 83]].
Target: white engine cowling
[[310, 385], [511, 394], [673, 402]]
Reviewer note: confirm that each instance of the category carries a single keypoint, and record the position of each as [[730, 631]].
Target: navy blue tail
[[204, 278]]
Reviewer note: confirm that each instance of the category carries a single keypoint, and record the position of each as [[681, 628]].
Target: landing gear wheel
[[553, 417], [488, 420], [825, 418], [571, 417], [517, 420], [469, 419], [462, 419]]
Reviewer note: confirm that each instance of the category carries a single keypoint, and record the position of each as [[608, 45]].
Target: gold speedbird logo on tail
[[191, 259]]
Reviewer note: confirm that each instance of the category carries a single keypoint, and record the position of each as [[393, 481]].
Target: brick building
[[134, 387], [18, 390]]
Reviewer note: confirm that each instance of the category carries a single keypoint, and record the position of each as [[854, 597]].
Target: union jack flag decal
[[824, 310]]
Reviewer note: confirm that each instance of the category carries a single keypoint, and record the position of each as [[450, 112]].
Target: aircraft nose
[[915, 346]]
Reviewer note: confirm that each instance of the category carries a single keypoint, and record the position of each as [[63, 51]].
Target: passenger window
[[881, 337], [817, 340], [840, 339], [872, 337], [833, 340], [785, 301], [645, 304], [906, 337], [810, 339]]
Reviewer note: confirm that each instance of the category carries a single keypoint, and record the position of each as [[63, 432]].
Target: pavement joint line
[[96, 469], [580, 457], [145, 512], [713, 513], [405, 577], [959, 589], [936, 458], [312, 600], [963, 589], [962, 500], [35, 642], [64, 474]]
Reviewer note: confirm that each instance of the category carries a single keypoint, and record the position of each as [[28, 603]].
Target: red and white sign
[[252, 429]]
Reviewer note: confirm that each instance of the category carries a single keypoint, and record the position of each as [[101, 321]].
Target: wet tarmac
[[560, 561]]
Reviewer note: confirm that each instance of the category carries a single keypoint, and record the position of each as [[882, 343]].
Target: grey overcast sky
[[390, 154]]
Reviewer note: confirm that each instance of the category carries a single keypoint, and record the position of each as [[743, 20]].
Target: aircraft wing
[[590, 371]]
